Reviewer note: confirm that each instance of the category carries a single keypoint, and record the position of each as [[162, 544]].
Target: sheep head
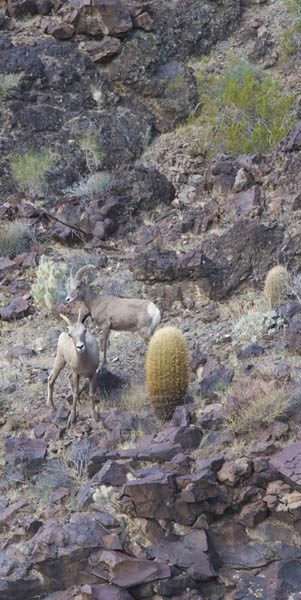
[[76, 284]]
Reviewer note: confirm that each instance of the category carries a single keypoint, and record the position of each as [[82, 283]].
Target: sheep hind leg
[[91, 395], [75, 386], [104, 342], [59, 364]]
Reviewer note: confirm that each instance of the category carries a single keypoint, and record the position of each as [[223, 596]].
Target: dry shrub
[[253, 403]]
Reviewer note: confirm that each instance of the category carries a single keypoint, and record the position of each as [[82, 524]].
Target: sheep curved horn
[[79, 318], [66, 320], [80, 271]]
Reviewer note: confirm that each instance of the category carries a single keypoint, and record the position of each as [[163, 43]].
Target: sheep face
[[75, 290], [78, 334]]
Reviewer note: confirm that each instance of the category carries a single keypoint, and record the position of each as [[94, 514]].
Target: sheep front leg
[[75, 390], [92, 397], [104, 341], [59, 364]]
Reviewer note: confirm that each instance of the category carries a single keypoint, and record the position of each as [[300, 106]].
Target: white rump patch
[[155, 315]]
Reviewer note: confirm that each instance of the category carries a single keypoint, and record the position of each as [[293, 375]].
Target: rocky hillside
[[99, 165]]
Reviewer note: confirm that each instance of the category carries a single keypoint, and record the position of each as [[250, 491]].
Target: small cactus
[[274, 285], [167, 371], [45, 290]]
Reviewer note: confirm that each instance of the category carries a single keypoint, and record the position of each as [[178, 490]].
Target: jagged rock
[[100, 51], [9, 512], [99, 591], [294, 334], [15, 583], [189, 551], [125, 571], [235, 548], [24, 455], [221, 174], [152, 496], [249, 202], [6, 263], [61, 31], [216, 380], [160, 452], [15, 309], [107, 17], [19, 8], [75, 541], [292, 141], [287, 463], [253, 513], [250, 351], [232, 472], [188, 436]]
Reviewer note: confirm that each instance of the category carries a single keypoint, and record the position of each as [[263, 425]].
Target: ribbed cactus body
[[167, 370], [274, 285]]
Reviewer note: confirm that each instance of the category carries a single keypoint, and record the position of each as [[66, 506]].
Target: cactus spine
[[274, 285], [167, 371]]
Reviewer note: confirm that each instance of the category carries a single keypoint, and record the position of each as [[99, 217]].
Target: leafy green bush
[[45, 289], [29, 169], [241, 112], [9, 84], [15, 237]]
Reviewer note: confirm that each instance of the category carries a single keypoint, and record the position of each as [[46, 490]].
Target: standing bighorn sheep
[[112, 312], [79, 350]]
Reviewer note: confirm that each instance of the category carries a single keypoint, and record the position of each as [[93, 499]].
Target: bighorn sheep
[[79, 350], [113, 312]]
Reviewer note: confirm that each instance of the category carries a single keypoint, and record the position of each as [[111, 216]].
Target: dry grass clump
[[254, 403], [14, 237], [135, 398]]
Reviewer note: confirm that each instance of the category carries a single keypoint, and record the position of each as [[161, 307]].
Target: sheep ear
[[66, 320]]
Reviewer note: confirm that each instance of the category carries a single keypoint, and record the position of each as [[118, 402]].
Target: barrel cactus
[[167, 371], [274, 285]]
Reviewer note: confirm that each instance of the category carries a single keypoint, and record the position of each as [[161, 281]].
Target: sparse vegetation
[[54, 475], [251, 327], [290, 42], [15, 237], [93, 186], [90, 145], [78, 456], [9, 84], [253, 403], [241, 112], [48, 283], [29, 170]]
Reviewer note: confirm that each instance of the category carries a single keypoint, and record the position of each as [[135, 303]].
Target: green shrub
[[289, 43], [45, 289], [15, 237], [241, 113], [90, 145], [29, 169], [9, 84]]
